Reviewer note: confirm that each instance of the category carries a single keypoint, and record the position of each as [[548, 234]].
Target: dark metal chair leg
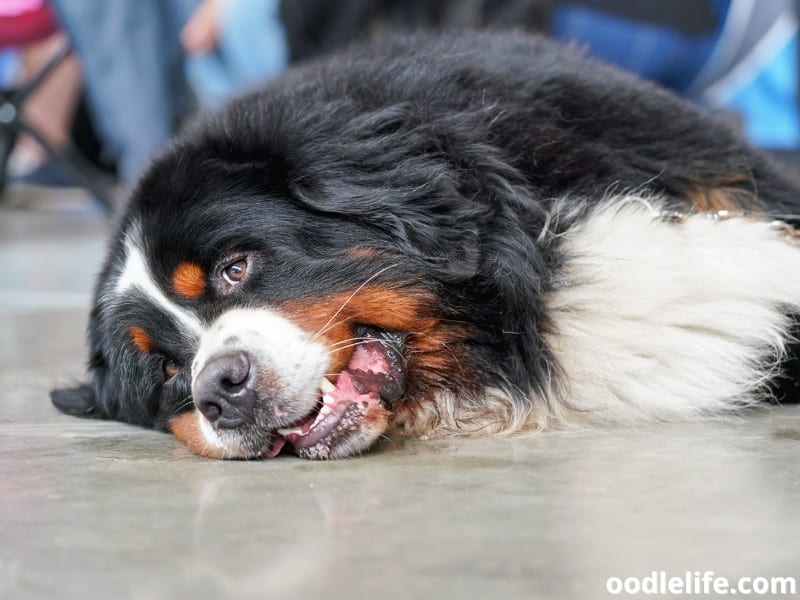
[[74, 166], [22, 93], [69, 161], [8, 137]]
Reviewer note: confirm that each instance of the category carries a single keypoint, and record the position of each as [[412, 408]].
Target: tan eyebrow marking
[[140, 339], [189, 280]]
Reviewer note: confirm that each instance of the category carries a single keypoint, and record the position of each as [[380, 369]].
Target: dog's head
[[297, 274]]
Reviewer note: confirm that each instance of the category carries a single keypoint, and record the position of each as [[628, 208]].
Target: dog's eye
[[235, 272], [170, 368]]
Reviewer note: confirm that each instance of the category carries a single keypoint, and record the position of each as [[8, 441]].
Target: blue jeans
[[252, 48], [133, 69]]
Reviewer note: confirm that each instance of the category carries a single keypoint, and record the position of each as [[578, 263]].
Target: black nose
[[223, 391]]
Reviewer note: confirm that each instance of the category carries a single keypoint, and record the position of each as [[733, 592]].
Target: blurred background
[[90, 89]]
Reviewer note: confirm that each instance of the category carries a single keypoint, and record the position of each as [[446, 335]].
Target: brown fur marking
[[141, 339], [188, 280], [730, 192], [438, 361], [362, 252], [187, 429], [398, 310], [435, 355]]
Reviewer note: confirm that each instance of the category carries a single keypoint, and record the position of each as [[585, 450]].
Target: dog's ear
[[433, 224], [86, 399], [79, 401]]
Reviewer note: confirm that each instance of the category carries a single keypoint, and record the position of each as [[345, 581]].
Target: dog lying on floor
[[432, 235]]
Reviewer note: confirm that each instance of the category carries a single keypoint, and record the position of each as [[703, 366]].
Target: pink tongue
[[345, 391], [366, 358], [339, 401]]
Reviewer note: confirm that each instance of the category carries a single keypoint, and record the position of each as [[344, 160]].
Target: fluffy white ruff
[[659, 320]]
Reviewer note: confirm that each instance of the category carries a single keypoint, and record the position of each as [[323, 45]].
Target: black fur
[[445, 153]]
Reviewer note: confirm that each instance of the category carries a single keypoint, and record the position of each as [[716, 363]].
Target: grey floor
[[102, 510]]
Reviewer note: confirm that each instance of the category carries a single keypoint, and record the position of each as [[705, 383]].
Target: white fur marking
[[209, 434], [272, 342], [136, 274], [661, 320]]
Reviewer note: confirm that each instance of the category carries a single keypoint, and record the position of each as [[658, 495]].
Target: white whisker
[[349, 298]]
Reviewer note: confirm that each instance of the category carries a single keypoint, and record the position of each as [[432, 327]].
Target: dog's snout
[[223, 390]]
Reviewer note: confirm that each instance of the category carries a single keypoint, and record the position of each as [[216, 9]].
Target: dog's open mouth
[[375, 375]]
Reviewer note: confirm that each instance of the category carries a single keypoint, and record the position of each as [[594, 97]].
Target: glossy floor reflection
[[101, 510]]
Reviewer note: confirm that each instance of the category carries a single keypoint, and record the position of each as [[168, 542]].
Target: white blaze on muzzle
[[277, 349]]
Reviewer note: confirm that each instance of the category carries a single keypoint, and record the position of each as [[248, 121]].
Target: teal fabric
[[768, 103]]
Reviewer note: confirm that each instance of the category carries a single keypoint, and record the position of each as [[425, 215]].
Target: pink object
[[15, 8], [25, 21]]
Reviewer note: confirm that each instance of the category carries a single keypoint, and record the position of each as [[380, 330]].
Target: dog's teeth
[[326, 386], [323, 412], [295, 430]]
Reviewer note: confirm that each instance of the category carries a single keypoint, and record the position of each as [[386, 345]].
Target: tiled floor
[[101, 510]]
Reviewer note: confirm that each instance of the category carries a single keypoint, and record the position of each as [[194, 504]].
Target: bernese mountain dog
[[430, 235]]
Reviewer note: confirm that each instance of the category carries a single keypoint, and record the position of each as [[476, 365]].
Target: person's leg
[[233, 44], [253, 40], [50, 108], [132, 65]]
